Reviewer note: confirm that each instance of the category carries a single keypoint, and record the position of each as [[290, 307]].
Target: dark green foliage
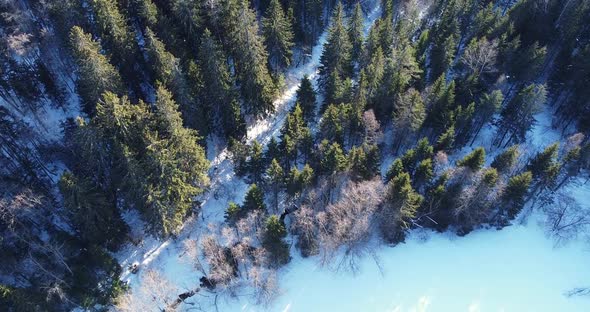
[[474, 160], [394, 170], [232, 213], [402, 203], [333, 159], [91, 211], [256, 163], [274, 241], [306, 98], [336, 57], [278, 36], [506, 160], [518, 115], [364, 161], [250, 56], [515, 192], [218, 88], [95, 74], [446, 140], [355, 31], [254, 199]]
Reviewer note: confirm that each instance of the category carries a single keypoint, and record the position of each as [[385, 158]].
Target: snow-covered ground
[[515, 269]]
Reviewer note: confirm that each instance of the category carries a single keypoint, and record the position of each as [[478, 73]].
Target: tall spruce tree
[[278, 36], [251, 59], [218, 88], [336, 56], [95, 74], [356, 32]]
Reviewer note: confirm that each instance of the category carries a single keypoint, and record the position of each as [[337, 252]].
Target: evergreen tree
[[402, 203], [254, 199], [306, 98], [445, 39], [333, 159], [518, 116], [396, 168], [364, 161], [95, 74], [424, 172], [446, 140], [116, 37], [515, 192], [488, 105], [408, 115], [356, 32], [92, 212], [275, 178], [545, 167], [440, 102], [165, 69], [474, 160], [274, 241], [278, 36], [506, 160], [232, 213], [218, 87], [256, 162], [336, 56], [257, 88]]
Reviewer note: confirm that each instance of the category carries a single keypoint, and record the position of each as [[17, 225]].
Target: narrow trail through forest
[[224, 187]]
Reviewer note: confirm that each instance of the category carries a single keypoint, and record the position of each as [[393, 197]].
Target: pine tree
[[424, 172], [218, 88], [527, 63], [165, 69], [445, 40], [408, 115], [232, 213], [364, 161], [440, 102], [254, 199], [172, 168], [424, 150], [474, 160], [278, 36], [402, 205], [274, 241], [188, 15], [518, 115], [545, 167], [146, 11], [505, 161], [306, 98], [333, 159], [356, 32], [256, 162], [446, 140], [515, 192], [336, 56], [116, 37], [257, 88], [487, 106], [95, 74], [275, 178], [396, 168], [92, 212]]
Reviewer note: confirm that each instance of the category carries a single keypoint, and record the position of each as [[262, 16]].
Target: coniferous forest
[[239, 135]]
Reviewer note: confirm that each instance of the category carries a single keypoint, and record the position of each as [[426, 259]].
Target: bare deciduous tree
[[155, 290], [373, 134], [348, 223], [480, 56], [565, 218]]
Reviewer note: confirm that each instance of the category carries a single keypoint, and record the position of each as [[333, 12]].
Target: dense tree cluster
[[444, 96]]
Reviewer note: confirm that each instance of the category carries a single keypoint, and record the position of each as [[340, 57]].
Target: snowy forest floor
[[515, 269]]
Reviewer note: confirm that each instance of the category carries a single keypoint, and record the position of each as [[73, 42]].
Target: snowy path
[[166, 256], [515, 269]]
